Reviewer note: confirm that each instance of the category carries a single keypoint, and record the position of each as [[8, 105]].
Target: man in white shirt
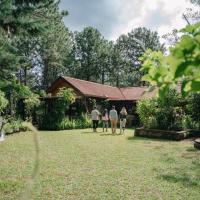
[[95, 118], [113, 119]]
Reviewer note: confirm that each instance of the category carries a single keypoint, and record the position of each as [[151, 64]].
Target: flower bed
[[161, 134]]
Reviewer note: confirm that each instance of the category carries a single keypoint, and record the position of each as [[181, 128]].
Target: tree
[[34, 41], [180, 67], [16, 19], [86, 52], [119, 65], [105, 61], [172, 38], [55, 46], [192, 15], [133, 46], [197, 2]]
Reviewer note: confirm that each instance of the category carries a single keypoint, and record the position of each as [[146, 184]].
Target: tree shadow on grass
[[183, 178], [136, 138], [85, 132], [109, 134], [188, 176], [91, 132], [192, 149]]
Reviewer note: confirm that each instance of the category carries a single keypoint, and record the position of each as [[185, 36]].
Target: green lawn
[[81, 165]]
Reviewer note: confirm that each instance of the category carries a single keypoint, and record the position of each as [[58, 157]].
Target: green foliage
[[66, 124], [83, 121], [80, 123], [95, 59], [55, 45], [87, 50], [13, 126], [30, 104], [15, 93], [55, 118], [17, 20], [147, 110], [132, 46], [19, 90], [171, 112], [166, 113], [193, 110], [181, 66], [3, 101], [105, 104], [92, 102], [189, 123], [67, 96]]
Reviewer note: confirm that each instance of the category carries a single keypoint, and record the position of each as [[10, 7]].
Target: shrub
[[3, 102], [193, 109], [66, 124], [30, 104], [189, 123], [55, 118], [14, 125], [147, 109], [165, 113], [84, 121]]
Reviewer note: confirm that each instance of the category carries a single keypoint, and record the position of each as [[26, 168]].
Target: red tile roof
[[95, 89], [136, 93], [92, 89]]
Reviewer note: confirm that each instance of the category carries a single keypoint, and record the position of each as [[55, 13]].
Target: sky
[[115, 17]]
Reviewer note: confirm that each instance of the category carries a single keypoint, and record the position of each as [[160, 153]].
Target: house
[[87, 91]]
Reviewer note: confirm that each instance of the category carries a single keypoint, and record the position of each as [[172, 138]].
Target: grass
[[80, 165]]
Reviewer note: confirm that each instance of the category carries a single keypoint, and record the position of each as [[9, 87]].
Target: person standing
[[95, 118], [122, 119], [105, 119], [113, 119]]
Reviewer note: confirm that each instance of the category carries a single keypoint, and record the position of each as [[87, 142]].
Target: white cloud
[[159, 15], [116, 17]]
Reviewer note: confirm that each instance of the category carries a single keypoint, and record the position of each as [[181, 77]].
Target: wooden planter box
[[197, 144], [161, 134], [193, 133]]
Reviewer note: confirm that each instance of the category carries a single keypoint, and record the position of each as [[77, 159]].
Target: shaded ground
[[80, 165]]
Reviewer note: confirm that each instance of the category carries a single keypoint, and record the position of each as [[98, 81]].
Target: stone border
[[161, 134]]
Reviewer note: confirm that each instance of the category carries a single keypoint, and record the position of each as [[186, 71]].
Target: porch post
[[85, 102]]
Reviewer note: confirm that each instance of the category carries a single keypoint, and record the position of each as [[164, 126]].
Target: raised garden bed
[[197, 144], [161, 134], [193, 133]]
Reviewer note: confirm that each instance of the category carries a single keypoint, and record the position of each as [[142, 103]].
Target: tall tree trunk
[[103, 77], [117, 81], [45, 74], [25, 75], [20, 76]]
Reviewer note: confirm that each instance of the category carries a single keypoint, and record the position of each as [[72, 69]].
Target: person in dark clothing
[[95, 118]]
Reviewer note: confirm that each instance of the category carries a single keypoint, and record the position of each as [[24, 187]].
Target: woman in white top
[[122, 119]]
